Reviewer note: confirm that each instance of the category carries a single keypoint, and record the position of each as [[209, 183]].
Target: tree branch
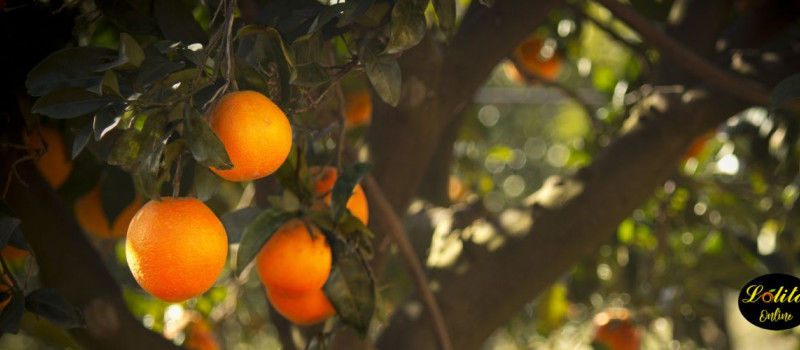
[[739, 87]]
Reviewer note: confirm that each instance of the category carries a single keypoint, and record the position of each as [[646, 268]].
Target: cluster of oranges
[[293, 265]]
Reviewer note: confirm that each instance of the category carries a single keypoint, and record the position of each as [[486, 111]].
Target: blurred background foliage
[[727, 213]]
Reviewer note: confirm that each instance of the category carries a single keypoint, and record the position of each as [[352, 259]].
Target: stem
[[176, 182]]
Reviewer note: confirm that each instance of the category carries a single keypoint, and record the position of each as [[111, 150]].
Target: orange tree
[[599, 206]]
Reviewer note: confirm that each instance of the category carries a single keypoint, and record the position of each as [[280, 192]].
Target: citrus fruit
[[90, 215], [54, 164], [357, 204], [176, 248], [12, 254], [358, 109], [528, 56], [614, 330], [304, 310], [199, 336], [292, 262], [5, 291], [255, 132]]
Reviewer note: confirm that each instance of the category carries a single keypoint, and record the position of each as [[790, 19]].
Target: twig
[[412, 264], [230, 12], [176, 182], [397, 233], [734, 85]]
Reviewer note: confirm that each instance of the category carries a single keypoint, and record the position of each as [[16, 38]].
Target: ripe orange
[[357, 204], [613, 329], [358, 109], [528, 56], [176, 248], [199, 336], [54, 164], [12, 254], [90, 215], [292, 262], [255, 132], [304, 310]]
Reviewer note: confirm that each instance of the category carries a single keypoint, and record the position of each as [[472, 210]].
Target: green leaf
[[786, 91], [72, 67], [343, 188], [309, 75], [49, 304], [351, 288], [177, 22], [271, 57], [153, 69], [407, 25], [70, 102], [307, 49], [250, 78], [256, 234], [236, 221], [12, 313], [206, 147], [130, 49], [82, 137], [383, 72], [206, 183], [446, 12], [116, 192], [107, 118]]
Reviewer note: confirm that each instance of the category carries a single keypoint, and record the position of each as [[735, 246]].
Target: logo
[[771, 301]]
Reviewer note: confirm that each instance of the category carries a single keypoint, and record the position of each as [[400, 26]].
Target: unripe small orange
[[357, 204], [303, 310], [255, 132], [293, 262], [176, 248]]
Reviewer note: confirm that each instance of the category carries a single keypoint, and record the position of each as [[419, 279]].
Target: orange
[[90, 215], [303, 310], [614, 330], [12, 254], [255, 132], [176, 248], [199, 336], [54, 164], [528, 56], [5, 290], [358, 109], [293, 262], [357, 204], [698, 145]]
